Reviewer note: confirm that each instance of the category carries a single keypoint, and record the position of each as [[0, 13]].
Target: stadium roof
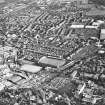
[[30, 68], [52, 61]]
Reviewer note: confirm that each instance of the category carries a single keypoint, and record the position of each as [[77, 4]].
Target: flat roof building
[[83, 26]]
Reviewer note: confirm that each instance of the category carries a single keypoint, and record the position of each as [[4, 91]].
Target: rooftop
[[52, 61], [96, 12], [30, 68]]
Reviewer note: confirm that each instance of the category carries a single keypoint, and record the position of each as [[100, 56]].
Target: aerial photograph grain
[[52, 52]]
